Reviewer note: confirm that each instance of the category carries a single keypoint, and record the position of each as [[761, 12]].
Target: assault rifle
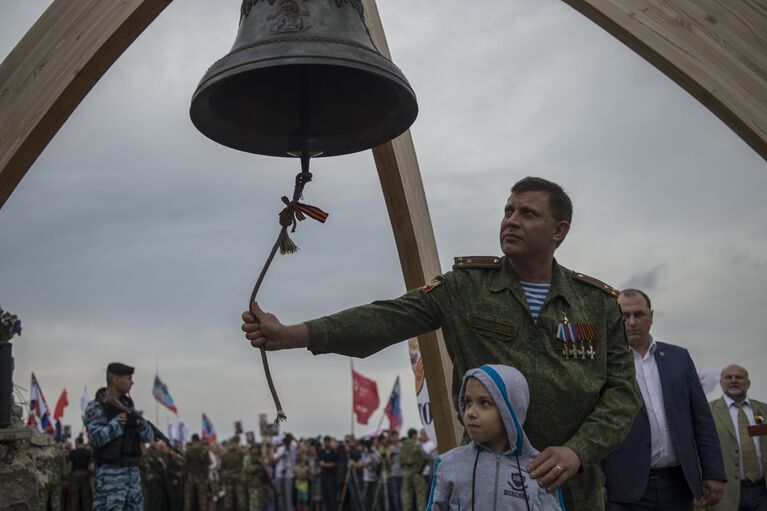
[[117, 406]]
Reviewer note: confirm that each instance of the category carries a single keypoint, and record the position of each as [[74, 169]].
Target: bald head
[[734, 382]]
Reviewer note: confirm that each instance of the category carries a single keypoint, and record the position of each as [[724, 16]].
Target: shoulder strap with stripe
[[477, 262], [597, 284]]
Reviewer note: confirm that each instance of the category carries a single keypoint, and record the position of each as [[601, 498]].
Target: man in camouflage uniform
[[174, 489], [116, 438], [196, 486], [153, 477], [231, 475], [563, 330], [253, 478], [413, 458]]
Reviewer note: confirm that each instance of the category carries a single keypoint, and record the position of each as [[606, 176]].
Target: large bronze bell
[[303, 77]]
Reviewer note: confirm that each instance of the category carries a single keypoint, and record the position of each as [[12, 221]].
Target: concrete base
[[15, 434]]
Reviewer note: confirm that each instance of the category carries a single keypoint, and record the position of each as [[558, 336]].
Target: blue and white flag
[[208, 431], [160, 393], [84, 400]]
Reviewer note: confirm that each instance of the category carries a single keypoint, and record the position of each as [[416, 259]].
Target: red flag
[[365, 397], [60, 405]]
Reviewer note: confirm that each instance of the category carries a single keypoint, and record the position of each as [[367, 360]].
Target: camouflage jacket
[[412, 456], [231, 461], [197, 460], [152, 466], [174, 467], [585, 404]]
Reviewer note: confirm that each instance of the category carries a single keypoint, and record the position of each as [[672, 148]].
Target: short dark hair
[[633, 292], [195, 437], [412, 433], [559, 202]]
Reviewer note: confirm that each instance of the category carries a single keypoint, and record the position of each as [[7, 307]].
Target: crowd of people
[[390, 473], [384, 473]]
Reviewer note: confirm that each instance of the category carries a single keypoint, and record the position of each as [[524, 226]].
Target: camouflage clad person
[[153, 477], [254, 478], [116, 438], [563, 330], [196, 486], [174, 489], [231, 476], [413, 458]]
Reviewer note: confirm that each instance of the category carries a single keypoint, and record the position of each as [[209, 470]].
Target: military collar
[[507, 278]]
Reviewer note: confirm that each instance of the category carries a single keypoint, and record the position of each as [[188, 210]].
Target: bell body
[[303, 76]]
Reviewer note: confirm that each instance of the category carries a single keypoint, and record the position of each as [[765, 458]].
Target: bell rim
[[263, 57]]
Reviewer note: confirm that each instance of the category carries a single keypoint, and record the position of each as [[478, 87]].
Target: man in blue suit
[[671, 455]]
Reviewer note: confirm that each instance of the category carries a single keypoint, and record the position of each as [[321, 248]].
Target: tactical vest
[[125, 449]]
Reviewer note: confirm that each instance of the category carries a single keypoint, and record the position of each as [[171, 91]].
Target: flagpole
[[351, 365], [156, 404]]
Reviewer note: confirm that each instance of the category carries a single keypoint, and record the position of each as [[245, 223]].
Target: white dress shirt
[[663, 453], [751, 421], [285, 466]]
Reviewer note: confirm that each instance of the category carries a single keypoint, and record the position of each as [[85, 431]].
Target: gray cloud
[[647, 281]]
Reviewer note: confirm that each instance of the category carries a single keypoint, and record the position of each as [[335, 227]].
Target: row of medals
[[575, 349]]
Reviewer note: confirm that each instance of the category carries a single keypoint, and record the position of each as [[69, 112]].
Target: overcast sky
[[135, 238]]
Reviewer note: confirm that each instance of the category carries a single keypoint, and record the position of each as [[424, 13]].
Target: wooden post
[[714, 49], [53, 67], [409, 215]]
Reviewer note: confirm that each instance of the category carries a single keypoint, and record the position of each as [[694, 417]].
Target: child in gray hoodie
[[489, 473]]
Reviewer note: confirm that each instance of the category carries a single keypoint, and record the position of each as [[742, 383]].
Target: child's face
[[481, 418]]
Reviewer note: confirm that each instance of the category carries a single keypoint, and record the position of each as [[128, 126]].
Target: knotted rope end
[[286, 244]]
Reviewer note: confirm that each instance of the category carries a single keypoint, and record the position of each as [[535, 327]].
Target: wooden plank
[[405, 198], [53, 67], [715, 49]]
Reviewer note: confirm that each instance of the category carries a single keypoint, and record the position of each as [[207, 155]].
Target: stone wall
[[23, 463]]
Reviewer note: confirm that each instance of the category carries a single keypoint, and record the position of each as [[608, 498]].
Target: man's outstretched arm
[[356, 332]]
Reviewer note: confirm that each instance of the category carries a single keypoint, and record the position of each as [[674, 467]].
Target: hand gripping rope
[[293, 213]]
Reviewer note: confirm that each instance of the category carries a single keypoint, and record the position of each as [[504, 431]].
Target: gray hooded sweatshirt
[[474, 478]]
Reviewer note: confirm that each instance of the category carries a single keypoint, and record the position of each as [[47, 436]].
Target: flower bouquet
[[10, 325]]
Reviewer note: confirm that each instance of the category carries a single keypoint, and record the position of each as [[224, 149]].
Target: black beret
[[119, 369]]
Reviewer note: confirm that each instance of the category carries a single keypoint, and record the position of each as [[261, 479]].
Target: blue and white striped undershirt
[[535, 294]]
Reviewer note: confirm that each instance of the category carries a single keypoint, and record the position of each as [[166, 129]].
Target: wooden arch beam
[[54, 66], [714, 49]]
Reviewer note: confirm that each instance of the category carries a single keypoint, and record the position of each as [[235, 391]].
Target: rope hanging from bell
[[293, 212]]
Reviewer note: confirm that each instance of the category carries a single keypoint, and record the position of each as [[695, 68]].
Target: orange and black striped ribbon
[[296, 211]]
